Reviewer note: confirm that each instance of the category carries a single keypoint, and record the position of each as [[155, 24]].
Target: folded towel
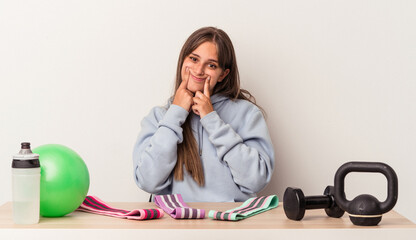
[[249, 208], [93, 204], [175, 206]]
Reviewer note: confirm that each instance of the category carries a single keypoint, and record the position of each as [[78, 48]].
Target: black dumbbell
[[295, 203]]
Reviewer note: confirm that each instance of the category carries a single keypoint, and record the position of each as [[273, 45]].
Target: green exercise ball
[[64, 180]]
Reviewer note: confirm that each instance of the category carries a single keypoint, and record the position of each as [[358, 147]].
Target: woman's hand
[[202, 101], [183, 97]]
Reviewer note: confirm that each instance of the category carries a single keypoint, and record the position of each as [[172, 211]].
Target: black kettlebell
[[365, 209]]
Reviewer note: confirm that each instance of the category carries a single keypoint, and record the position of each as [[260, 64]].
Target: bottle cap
[[26, 158]]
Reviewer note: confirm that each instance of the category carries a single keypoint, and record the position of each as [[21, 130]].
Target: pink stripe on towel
[[175, 206], [95, 205]]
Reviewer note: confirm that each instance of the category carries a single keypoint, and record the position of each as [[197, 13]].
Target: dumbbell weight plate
[[334, 211], [294, 203]]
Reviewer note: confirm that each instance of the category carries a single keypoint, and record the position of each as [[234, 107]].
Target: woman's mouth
[[197, 79]]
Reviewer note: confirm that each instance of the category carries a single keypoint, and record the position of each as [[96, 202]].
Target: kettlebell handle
[[386, 170]]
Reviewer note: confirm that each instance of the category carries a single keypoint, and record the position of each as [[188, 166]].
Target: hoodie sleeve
[[247, 149], [154, 154]]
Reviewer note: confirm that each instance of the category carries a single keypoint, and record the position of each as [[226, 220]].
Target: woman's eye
[[193, 59], [213, 66]]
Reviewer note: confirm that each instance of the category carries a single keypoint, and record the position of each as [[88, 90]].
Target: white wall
[[336, 78]]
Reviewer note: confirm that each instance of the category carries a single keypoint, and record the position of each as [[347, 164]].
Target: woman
[[210, 143]]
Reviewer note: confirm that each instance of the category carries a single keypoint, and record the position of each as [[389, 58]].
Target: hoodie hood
[[217, 98], [197, 127]]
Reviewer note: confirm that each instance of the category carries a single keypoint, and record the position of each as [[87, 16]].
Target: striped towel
[[249, 208], [93, 204], [175, 206]]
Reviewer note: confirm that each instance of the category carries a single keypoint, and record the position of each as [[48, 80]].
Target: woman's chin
[[194, 89]]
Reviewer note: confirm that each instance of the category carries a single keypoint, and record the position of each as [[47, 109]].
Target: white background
[[336, 78]]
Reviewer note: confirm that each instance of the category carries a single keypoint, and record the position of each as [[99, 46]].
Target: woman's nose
[[199, 69]]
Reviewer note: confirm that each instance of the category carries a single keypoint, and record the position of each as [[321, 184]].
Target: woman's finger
[[200, 95], [197, 100], [195, 109], [206, 87], [184, 83]]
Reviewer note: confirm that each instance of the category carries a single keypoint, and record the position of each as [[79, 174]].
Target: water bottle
[[26, 186]]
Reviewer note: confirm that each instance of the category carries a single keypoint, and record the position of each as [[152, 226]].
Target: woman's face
[[201, 64]]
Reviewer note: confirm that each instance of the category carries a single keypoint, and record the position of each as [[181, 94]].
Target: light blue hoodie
[[234, 145]]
